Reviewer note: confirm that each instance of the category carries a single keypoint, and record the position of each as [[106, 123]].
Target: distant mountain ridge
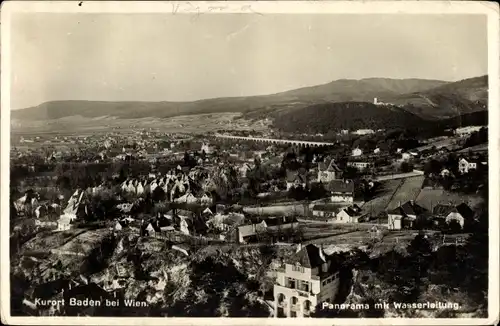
[[448, 100], [417, 96]]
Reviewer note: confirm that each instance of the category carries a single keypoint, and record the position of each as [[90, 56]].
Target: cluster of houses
[[275, 227], [465, 165], [184, 185], [407, 214], [51, 216], [178, 186], [339, 213]]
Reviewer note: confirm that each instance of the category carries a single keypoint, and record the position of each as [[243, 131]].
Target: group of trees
[[477, 138], [313, 192], [406, 167], [322, 118]]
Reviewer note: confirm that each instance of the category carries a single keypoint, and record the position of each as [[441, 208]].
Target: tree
[[420, 255], [433, 167], [187, 159], [351, 173], [406, 167], [158, 195], [317, 191], [297, 193]]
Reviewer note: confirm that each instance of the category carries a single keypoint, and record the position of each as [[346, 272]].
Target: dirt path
[[394, 194]]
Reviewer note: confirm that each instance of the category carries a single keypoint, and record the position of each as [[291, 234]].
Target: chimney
[[412, 202]]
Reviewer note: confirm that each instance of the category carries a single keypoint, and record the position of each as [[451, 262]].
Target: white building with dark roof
[[351, 214], [464, 166], [328, 171], [308, 279], [404, 215], [341, 191]]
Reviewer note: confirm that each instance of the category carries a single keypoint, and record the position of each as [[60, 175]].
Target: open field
[[383, 197], [313, 230], [429, 198], [477, 148], [399, 176], [448, 143], [409, 190], [87, 126]]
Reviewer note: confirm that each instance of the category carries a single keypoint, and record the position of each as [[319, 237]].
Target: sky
[[165, 57]]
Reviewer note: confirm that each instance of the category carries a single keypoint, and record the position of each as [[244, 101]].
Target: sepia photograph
[[315, 162]]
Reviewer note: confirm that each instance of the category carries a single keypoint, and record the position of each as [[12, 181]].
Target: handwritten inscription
[[197, 11]]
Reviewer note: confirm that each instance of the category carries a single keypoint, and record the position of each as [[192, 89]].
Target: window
[[304, 286], [291, 283], [297, 268]]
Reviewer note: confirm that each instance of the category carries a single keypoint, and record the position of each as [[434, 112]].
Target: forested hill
[[323, 118], [347, 115]]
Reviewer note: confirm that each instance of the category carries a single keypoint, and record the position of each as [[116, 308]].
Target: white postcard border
[[197, 9]]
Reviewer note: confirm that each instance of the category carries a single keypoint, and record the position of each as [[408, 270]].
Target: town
[[195, 193], [244, 160]]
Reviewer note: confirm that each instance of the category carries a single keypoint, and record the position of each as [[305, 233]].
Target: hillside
[[451, 105], [336, 91], [332, 116], [344, 90], [478, 118], [465, 96]]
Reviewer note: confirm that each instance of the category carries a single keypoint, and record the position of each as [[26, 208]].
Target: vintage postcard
[[240, 163]]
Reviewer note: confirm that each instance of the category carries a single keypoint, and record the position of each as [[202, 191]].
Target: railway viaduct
[[303, 143]]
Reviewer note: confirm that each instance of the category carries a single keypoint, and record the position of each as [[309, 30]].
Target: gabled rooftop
[[274, 221], [408, 208], [298, 175], [310, 257], [462, 209], [330, 167], [340, 186]]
